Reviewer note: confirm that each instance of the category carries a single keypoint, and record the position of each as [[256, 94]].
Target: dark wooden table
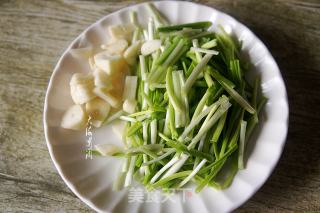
[[33, 35]]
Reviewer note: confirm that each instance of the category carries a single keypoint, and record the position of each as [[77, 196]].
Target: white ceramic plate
[[91, 180]]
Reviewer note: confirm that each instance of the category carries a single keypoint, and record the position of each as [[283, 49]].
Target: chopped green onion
[[151, 29], [176, 103], [242, 144], [193, 173], [238, 98], [153, 127], [196, 71], [159, 158], [134, 18], [195, 25], [156, 15], [163, 169], [172, 177], [195, 44], [114, 116], [127, 118], [201, 50], [129, 175], [210, 44], [189, 117]]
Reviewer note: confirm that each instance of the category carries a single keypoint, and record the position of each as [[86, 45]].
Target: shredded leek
[[193, 115]]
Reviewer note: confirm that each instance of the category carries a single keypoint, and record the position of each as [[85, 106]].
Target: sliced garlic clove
[[109, 64], [130, 87], [150, 46], [105, 95], [97, 109], [129, 106], [74, 118], [81, 78], [101, 79], [80, 53], [132, 52], [81, 93], [116, 47], [108, 149], [118, 127], [121, 31]]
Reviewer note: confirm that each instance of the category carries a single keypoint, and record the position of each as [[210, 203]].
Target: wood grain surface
[[33, 35]]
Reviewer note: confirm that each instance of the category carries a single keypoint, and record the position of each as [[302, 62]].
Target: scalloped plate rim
[[57, 66]]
